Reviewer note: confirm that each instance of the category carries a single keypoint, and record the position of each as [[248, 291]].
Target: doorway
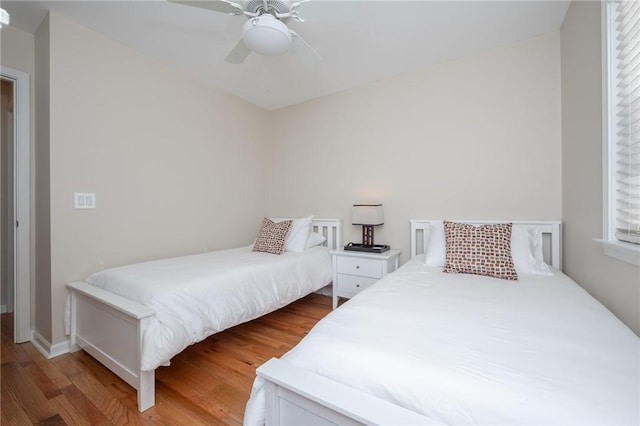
[[15, 216], [7, 219]]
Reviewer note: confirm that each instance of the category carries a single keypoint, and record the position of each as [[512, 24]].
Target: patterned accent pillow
[[480, 250], [272, 237]]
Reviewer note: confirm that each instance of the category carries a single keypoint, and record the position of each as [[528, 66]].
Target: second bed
[[421, 347]]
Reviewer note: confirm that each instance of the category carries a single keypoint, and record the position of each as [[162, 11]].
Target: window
[[621, 20]]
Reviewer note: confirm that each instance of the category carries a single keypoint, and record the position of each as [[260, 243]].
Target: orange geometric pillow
[[272, 237], [479, 250]]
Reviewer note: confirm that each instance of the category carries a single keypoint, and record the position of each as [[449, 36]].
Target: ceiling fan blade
[[238, 54], [223, 6]]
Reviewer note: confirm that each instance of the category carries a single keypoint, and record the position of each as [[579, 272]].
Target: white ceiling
[[360, 41]]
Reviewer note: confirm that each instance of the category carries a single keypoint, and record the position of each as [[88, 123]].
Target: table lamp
[[367, 215]]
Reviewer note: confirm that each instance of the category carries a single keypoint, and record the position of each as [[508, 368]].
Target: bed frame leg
[[146, 390]]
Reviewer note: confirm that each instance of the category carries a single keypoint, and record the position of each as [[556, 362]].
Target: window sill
[[626, 252]]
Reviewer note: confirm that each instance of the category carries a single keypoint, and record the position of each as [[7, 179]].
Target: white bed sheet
[[465, 349], [199, 295]]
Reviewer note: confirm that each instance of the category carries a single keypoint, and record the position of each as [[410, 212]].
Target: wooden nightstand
[[353, 271]]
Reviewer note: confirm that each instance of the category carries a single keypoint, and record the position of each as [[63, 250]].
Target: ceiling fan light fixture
[[4, 17], [266, 35]]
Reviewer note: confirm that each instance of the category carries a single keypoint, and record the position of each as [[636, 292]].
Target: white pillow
[[436, 251], [298, 234], [315, 239], [526, 249]]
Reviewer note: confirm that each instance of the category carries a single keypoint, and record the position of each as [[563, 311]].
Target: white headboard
[[331, 229], [420, 230]]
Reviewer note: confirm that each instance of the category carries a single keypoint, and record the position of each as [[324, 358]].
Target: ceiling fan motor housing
[[266, 35], [279, 6]]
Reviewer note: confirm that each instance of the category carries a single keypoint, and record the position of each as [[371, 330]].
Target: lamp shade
[[367, 214], [266, 35]]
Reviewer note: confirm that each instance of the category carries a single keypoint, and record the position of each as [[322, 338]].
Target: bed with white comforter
[[468, 349], [196, 296], [135, 318]]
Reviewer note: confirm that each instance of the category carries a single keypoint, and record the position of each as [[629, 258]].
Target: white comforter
[[197, 296], [465, 349]]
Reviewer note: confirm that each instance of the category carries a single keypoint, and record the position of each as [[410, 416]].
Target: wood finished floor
[[208, 383]]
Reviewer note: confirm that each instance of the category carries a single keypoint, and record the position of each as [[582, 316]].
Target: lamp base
[[367, 235], [375, 248]]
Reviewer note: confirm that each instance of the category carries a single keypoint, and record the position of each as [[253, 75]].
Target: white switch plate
[[84, 200]]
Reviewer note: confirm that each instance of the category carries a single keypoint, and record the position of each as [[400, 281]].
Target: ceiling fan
[[265, 32]]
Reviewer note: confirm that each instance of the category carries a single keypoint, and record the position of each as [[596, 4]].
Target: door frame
[[21, 202]]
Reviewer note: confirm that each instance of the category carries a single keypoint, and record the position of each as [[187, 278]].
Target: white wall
[[474, 138], [177, 167], [17, 49], [614, 283], [172, 164]]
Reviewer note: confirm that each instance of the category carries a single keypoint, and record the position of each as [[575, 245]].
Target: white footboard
[[295, 396], [110, 328]]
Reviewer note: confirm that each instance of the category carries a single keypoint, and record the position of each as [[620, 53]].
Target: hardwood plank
[[48, 388], [208, 383], [76, 408], [46, 367], [68, 412], [25, 392], [217, 366], [232, 398], [6, 325], [12, 413], [237, 341], [94, 391], [312, 311], [114, 384], [12, 352], [7, 349], [292, 323], [203, 409], [55, 420], [270, 336]]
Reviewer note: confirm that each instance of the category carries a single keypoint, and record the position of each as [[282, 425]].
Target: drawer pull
[[370, 268], [347, 285]]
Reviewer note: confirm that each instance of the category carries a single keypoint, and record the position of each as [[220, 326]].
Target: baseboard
[[46, 348]]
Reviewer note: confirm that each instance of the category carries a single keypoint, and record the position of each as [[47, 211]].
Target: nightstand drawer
[[357, 266], [350, 285], [355, 271]]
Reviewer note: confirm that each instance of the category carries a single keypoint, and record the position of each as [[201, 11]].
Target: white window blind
[[625, 119]]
